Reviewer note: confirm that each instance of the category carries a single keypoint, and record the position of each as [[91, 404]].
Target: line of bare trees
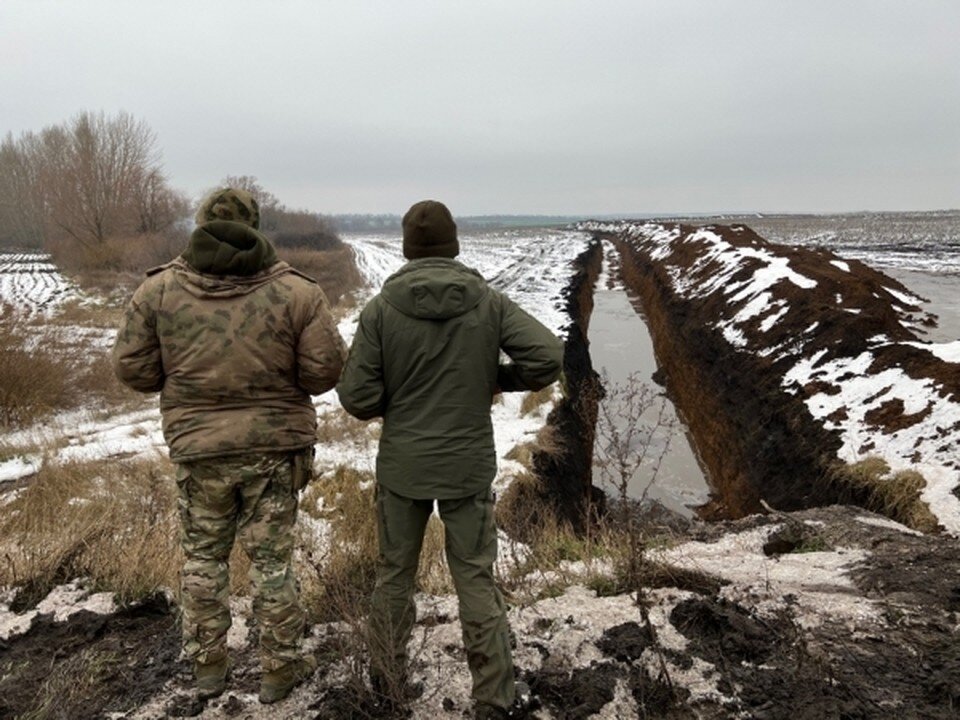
[[83, 181], [91, 191]]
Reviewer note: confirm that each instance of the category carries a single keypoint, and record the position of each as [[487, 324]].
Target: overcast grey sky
[[508, 106]]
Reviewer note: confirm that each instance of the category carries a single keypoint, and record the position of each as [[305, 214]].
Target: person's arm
[[537, 353], [361, 388], [136, 350], [320, 349]]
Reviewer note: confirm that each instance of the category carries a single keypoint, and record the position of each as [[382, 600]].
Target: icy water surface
[[620, 346]]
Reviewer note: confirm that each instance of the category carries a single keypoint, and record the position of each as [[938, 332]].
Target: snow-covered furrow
[[532, 267], [30, 283]]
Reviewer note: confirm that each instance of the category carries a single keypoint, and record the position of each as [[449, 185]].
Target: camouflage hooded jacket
[[235, 341], [426, 357]]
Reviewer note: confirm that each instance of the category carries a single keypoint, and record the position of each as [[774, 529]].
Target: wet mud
[[89, 665]]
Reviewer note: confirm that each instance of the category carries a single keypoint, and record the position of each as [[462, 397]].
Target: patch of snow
[[818, 582], [888, 523], [840, 264], [948, 352], [30, 284], [62, 602], [18, 467], [771, 320], [911, 301], [859, 393]]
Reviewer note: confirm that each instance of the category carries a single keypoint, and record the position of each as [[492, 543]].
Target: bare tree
[[83, 181], [158, 206], [94, 192], [21, 192], [286, 227]]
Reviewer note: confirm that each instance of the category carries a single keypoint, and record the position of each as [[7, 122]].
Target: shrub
[[33, 381]]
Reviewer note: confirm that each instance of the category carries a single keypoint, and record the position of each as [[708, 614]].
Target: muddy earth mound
[[792, 364]]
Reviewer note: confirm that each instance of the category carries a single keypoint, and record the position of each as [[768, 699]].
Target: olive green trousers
[[471, 548]]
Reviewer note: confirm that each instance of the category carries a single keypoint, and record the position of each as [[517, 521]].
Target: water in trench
[[641, 443]]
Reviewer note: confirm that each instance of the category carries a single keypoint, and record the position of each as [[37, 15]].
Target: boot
[[211, 678], [275, 685]]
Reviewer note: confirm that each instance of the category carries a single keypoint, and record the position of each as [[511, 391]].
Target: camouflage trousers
[[250, 498], [471, 547]]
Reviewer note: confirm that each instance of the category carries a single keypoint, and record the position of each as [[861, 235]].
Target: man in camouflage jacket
[[236, 342], [426, 358]]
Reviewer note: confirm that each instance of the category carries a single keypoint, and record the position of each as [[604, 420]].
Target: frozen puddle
[[620, 344]]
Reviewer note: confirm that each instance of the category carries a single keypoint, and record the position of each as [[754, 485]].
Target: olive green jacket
[[235, 356], [426, 357]]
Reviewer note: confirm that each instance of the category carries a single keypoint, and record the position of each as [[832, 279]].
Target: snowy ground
[[734, 629], [532, 267], [771, 617]]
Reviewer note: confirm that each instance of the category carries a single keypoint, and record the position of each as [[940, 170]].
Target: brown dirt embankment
[[563, 487]]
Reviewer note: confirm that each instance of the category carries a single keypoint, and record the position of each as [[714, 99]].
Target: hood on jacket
[[226, 247], [434, 289], [225, 259]]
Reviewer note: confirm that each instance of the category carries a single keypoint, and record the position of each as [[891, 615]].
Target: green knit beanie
[[429, 231], [229, 204]]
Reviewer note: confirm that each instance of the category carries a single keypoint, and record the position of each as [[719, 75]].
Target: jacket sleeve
[[320, 349], [536, 352], [361, 388], [136, 351]]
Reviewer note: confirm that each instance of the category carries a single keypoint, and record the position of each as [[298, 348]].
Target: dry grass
[[336, 425], [89, 314], [895, 495], [33, 381], [536, 399], [433, 575], [120, 254], [74, 682], [338, 573], [58, 364], [342, 571], [335, 270], [114, 523]]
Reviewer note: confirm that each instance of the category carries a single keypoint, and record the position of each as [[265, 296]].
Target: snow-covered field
[[532, 267]]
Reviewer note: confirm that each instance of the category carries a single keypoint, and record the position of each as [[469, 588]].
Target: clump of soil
[[577, 694]]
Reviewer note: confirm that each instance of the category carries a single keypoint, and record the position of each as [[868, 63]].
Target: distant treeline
[[391, 223]]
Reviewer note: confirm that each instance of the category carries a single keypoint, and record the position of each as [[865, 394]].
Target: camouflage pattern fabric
[[250, 498], [229, 204], [471, 548], [236, 358]]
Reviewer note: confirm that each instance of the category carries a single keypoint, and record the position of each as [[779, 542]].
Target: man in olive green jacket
[[236, 342], [426, 358]]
